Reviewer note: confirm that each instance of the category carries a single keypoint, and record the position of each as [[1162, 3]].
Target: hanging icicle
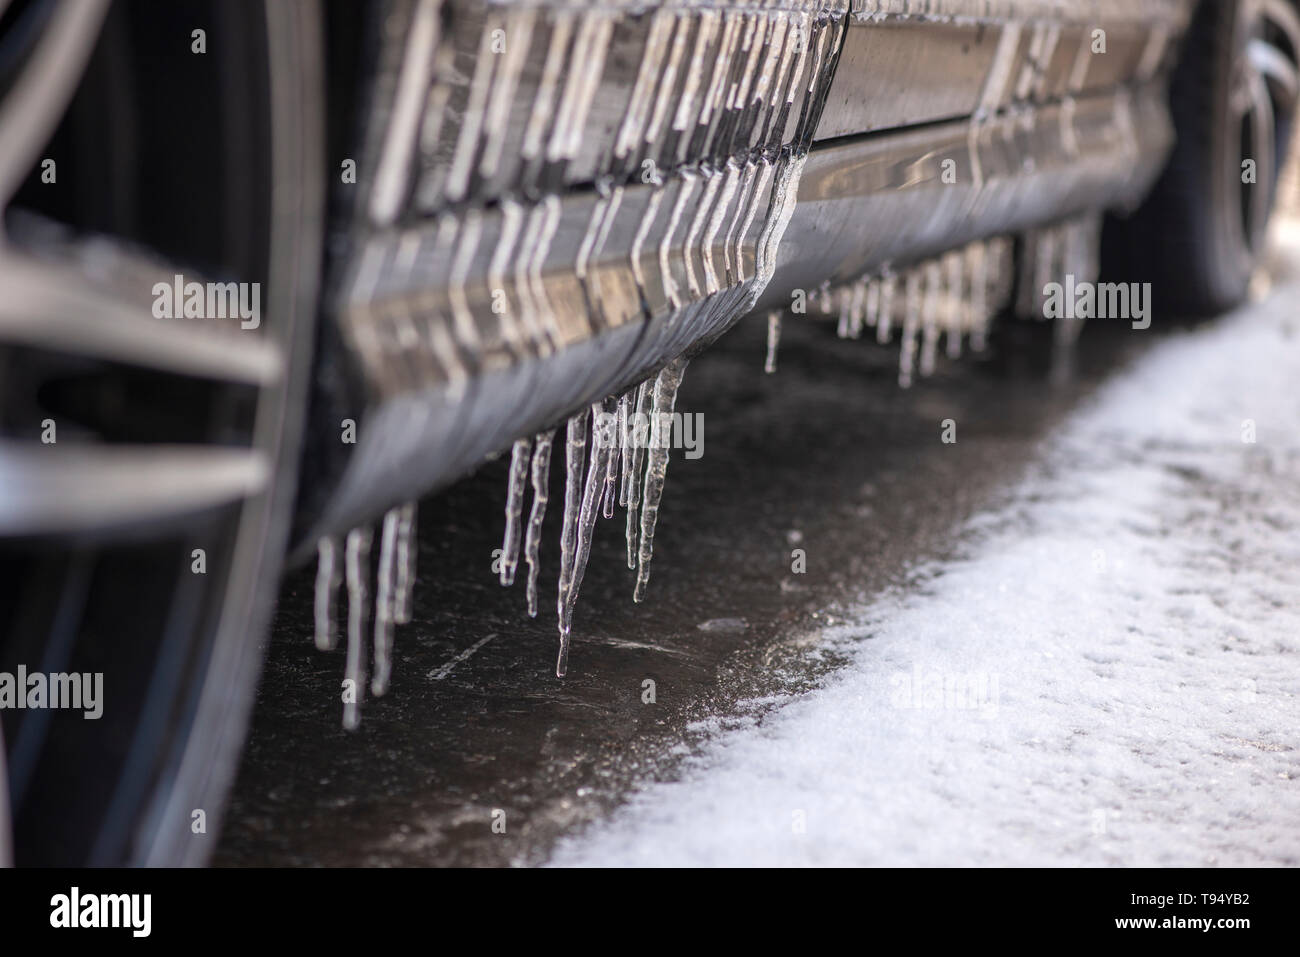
[[773, 340], [612, 441], [911, 327], [930, 318], [541, 472], [601, 453], [357, 570], [640, 436], [884, 327], [407, 550], [626, 408], [954, 264], [520, 454], [979, 281], [384, 595], [329, 575], [665, 397], [575, 449]]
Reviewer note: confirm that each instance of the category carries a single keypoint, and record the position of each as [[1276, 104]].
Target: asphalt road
[[828, 455]]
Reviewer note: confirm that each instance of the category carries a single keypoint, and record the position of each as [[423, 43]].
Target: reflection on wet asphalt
[[827, 455]]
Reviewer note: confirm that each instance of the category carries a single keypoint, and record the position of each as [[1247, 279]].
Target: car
[[274, 271]]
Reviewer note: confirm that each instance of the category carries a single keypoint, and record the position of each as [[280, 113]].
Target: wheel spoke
[[1272, 64], [56, 490], [1282, 15], [102, 309], [34, 105]]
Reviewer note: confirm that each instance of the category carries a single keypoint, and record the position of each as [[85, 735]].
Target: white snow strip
[[1110, 675]]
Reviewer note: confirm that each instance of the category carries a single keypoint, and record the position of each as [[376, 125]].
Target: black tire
[[164, 156], [1198, 238]]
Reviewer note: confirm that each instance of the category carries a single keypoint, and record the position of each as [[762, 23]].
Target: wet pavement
[[828, 455]]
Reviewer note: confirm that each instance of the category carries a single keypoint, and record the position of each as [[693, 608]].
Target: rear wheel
[[147, 463], [1199, 236]]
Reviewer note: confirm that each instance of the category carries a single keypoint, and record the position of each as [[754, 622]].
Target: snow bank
[[1109, 676]]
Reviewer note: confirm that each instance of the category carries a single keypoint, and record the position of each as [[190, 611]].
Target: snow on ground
[[1110, 675]]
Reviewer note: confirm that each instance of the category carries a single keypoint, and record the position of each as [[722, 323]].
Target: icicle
[[773, 339], [357, 561], [638, 443], [541, 472], [575, 450], [979, 297], [383, 642], [665, 397], [857, 300], [873, 303], [824, 302], [1078, 243], [979, 288], [844, 328], [1045, 269], [520, 454], [955, 262], [407, 549], [328, 577], [601, 453], [888, 283], [911, 325], [930, 317], [625, 409], [612, 459]]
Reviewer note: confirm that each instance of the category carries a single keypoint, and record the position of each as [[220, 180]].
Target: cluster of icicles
[[956, 295], [630, 471], [398, 546]]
